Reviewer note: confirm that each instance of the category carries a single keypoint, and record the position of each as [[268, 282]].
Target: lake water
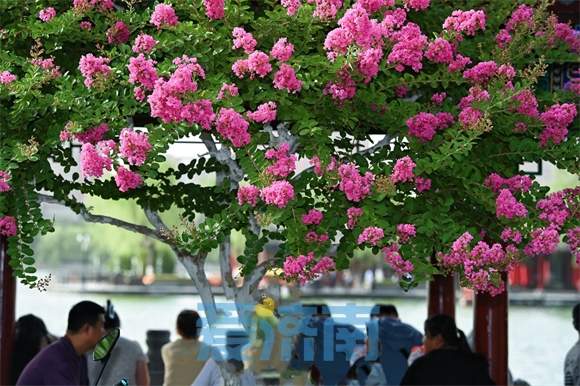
[[538, 337]]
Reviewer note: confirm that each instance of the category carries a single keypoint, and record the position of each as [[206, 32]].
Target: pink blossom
[[368, 63], [343, 89], [403, 170], [520, 127], [142, 71], [4, 178], [568, 36], [324, 265], [406, 232], [8, 226], [354, 185], [507, 71], [459, 250], [425, 125], [282, 50], [394, 259], [292, 6], [417, 5], [243, 39], [469, 117], [266, 112], [326, 9], [371, 235], [476, 94], [92, 135], [94, 68], [438, 98], [164, 16], [99, 5], [353, 214], [503, 38], [514, 184], [139, 94], [373, 6], [47, 65], [553, 209], [241, 67], [259, 63], [422, 184], [199, 112], [313, 217], [482, 72], [296, 266], [573, 241], [401, 90], [134, 146], [284, 163], [6, 77], [337, 42], [544, 242], [509, 234], [285, 79], [232, 126], [393, 19], [248, 194], [279, 193], [86, 25], [357, 22], [507, 206], [459, 63], [440, 51], [467, 22], [127, 179], [214, 9], [527, 103], [408, 48], [317, 165], [556, 121], [229, 88], [118, 33], [144, 44], [94, 161], [523, 15], [47, 14]]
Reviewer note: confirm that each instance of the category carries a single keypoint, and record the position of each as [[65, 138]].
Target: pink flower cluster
[[573, 241], [295, 266], [284, 163], [527, 104], [467, 22], [8, 227], [408, 48], [368, 62], [440, 51], [318, 168], [48, 65], [515, 184], [127, 179], [164, 16], [511, 235], [142, 71], [417, 5], [248, 194], [422, 184], [556, 121], [438, 98], [325, 264], [469, 117], [403, 170], [214, 9], [292, 6], [96, 158], [568, 36], [243, 39], [134, 146], [482, 72], [522, 15], [233, 127], [266, 112], [507, 206], [313, 237], [282, 50], [544, 242], [279, 193], [326, 9], [304, 269], [285, 79], [118, 33], [257, 63], [406, 232], [394, 259], [229, 88], [94, 68], [343, 89], [313, 217], [371, 235], [144, 44], [92, 135], [86, 25], [354, 185], [4, 178], [99, 5], [425, 125], [47, 14], [372, 6], [6, 77], [557, 207]]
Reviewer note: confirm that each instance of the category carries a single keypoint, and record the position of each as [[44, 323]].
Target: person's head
[[112, 322], [188, 324], [441, 331], [576, 317], [384, 311], [86, 323], [30, 336]]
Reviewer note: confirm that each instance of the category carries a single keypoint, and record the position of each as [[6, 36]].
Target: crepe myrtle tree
[[411, 118]]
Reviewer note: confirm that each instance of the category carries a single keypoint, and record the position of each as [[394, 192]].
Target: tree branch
[[89, 217], [226, 268], [224, 157], [284, 136]]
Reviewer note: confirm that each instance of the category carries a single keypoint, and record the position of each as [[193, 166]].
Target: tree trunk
[[195, 269], [491, 332]]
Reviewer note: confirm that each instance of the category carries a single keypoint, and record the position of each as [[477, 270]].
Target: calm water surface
[[538, 337]]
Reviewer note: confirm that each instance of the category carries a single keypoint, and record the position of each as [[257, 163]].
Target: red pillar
[[7, 313], [442, 295], [490, 323]]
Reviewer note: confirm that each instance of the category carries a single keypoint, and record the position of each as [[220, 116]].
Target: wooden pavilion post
[[7, 313], [441, 294]]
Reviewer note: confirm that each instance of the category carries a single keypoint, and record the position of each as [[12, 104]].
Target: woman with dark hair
[[30, 336], [448, 359]]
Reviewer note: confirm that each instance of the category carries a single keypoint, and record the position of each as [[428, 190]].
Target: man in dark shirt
[[64, 362]]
